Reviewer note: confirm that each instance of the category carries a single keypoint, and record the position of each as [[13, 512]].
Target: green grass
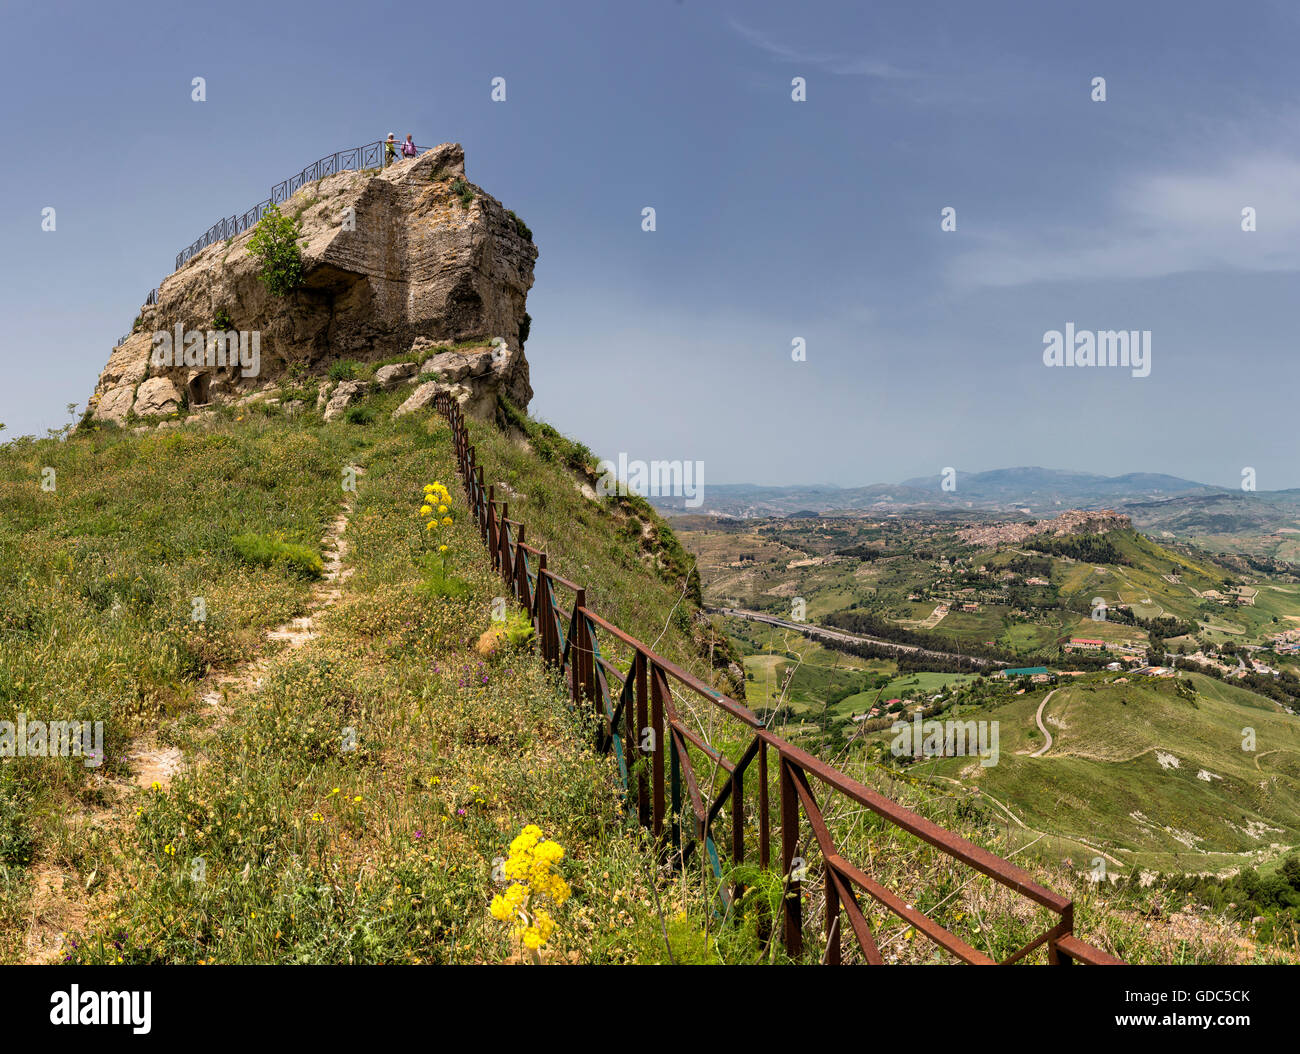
[[1210, 804], [352, 800], [261, 551]]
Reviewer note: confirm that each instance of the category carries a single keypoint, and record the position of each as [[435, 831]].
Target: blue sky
[[775, 219]]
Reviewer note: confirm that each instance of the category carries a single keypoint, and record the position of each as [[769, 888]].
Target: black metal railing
[[353, 159], [152, 298]]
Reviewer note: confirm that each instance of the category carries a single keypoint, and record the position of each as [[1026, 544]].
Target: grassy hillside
[[342, 789], [1152, 773], [310, 852]]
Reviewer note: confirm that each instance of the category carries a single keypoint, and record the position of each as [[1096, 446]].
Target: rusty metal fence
[[634, 707]]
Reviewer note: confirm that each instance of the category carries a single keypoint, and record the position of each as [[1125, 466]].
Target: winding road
[[1042, 727]]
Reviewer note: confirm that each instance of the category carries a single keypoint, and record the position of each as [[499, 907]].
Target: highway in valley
[[811, 630]]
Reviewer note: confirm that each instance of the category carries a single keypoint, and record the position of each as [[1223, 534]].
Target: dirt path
[[59, 904]]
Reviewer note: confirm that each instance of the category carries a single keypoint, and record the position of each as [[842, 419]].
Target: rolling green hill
[[1151, 773]]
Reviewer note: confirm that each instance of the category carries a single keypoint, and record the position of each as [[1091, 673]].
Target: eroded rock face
[[156, 397], [394, 263]]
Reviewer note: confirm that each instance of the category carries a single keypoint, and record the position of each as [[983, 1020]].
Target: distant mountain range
[[1153, 500]]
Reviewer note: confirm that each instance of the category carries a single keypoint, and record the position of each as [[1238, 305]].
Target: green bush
[[463, 190], [275, 243], [521, 226], [264, 551], [519, 629], [345, 370], [359, 415]]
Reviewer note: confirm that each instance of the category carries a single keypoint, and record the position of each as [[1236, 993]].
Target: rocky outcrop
[[410, 261], [388, 377], [344, 396], [157, 397]]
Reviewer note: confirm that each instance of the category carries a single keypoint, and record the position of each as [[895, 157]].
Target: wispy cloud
[[1156, 224], [838, 63]]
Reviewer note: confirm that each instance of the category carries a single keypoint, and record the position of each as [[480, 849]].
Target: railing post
[[503, 540], [521, 567], [737, 826], [493, 548], [657, 689], [540, 605], [764, 833], [643, 781], [1056, 957], [578, 648], [478, 505], [833, 950], [789, 845], [675, 791]]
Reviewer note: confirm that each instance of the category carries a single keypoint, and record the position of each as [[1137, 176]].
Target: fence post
[[493, 548], [540, 605], [643, 781], [589, 668], [832, 920], [657, 689], [578, 647], [789, 845], [478, 505], [737, 826], [503, 540], [521, 569], [1055, 957]]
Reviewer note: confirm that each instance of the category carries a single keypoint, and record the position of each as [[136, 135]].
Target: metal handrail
[[644, 704], [353, 159]]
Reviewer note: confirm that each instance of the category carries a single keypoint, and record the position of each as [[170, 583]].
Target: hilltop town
[[1075, 521]]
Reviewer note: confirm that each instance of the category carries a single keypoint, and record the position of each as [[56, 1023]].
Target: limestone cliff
[[400, 262]]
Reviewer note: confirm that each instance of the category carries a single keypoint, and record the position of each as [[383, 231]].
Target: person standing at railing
[[408, 147], [390, 149]]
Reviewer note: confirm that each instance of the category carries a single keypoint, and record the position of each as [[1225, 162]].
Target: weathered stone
[[344, 396], [389, 377], [418, 269], [420, 399], [157, 397], [115, 404]]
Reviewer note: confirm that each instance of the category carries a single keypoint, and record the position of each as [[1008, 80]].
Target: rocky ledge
[[411, 262]]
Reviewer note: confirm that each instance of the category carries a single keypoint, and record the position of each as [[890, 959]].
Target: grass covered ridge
[[352, 799]]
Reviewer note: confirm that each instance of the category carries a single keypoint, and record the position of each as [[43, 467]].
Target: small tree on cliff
[[275, 243]]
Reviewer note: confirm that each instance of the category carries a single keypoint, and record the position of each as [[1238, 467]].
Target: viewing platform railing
[[354, 159]]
